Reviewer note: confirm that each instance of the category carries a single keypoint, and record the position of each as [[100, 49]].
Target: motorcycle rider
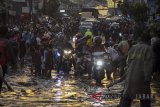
[[114, 58], [123, 48], [78, 43], [98, 47], [81, 49], [89, 35], [68, 46], [78, 36]]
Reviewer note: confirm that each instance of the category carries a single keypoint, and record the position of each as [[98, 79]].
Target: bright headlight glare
[[67, 52], [99, 63], [58, 54], [120, 34], [74, 39]]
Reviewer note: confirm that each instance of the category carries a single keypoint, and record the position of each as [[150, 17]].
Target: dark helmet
[[98, 40], [79, 35], [88, 37]]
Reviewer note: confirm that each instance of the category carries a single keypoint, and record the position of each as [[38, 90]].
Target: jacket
[[90, 40], [139, 70], [10, 50]]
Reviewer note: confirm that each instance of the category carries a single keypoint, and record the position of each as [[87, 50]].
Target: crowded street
[[80, 53]]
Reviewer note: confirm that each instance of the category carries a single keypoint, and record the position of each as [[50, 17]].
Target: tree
[[51, 8], [138, 11], [158, 6], [124, 7]]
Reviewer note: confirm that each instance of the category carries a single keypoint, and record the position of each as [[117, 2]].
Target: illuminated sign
[[111, 3]]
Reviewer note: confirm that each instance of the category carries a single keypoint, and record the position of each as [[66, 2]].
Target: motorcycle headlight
[[67, 52], [74, 39], [99, 62], [58, 54], [120, 34]]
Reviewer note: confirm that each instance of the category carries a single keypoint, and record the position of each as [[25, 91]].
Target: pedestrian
[[22, 51], [6, 49], [48, 60], [15, 43], [32, 45], [155, 42], [123, 48], [2, 79], [26, 35], [37, 62], [139, 73], [7, 53]]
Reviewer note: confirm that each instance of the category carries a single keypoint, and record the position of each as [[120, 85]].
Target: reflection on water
[[58, 83], [64, 91]]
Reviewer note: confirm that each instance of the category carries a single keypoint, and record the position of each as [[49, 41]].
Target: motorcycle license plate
[[67, 62]]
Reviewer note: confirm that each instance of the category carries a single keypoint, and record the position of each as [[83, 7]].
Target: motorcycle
[[99, 64], [58, 59], [83, 58], [83, 64], [67, 60]]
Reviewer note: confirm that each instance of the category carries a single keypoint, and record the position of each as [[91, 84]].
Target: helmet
[[98, 40], [78, 34], [16, 29], [88, 30]]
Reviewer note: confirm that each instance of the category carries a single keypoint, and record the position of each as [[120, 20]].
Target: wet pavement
[[60, 91]]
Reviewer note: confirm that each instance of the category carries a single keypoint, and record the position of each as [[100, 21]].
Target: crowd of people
[[136, 61]]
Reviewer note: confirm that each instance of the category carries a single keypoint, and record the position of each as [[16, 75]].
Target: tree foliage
[[51, 8], [158, 5], [124, 7], [138, 11]]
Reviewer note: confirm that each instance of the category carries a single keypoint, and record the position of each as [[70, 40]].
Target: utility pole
[[6, 7], [30, 9], [31, 12], [114, 6]]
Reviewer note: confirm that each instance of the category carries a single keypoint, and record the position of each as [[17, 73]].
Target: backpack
[[4, 53]]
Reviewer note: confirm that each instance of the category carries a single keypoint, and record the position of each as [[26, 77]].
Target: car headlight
[[99, 62]]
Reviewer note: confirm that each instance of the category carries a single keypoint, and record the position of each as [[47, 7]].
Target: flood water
[[60, 91]]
